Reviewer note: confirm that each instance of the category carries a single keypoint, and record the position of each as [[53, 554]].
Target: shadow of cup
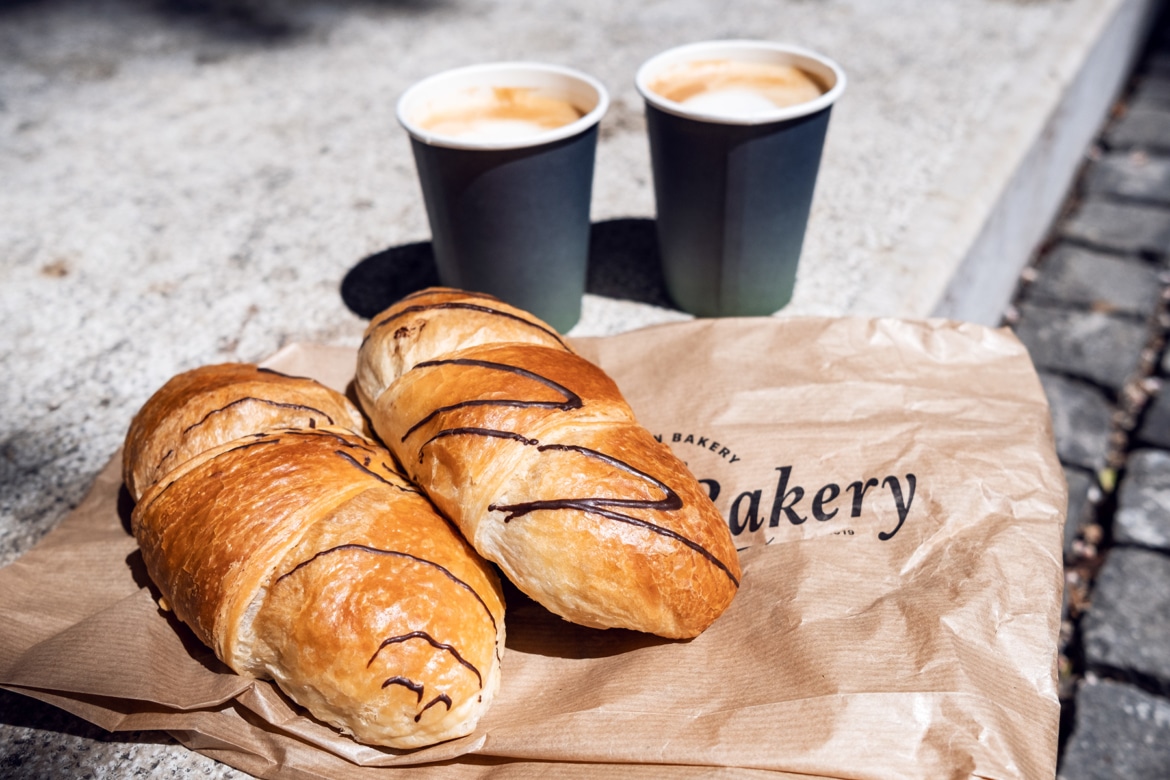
[[623, 264]]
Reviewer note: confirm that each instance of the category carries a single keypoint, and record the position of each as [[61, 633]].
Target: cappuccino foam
[[499, 114], [736, 88]]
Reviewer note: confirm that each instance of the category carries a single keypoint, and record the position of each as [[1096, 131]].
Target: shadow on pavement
[[254, 22], [623, 264]]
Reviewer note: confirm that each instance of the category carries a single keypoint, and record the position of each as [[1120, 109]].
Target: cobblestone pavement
[[1094, 310]]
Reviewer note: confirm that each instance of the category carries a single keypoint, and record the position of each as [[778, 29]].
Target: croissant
[[536, 456], [304, 556], [210, 405]]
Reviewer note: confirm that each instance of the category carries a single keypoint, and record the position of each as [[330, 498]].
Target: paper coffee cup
[[505, 156], [736, 130]]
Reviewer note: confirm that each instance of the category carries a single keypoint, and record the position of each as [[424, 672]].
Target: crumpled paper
[[895, 494]]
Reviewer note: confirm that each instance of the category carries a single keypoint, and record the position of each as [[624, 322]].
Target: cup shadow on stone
[[623, 264]]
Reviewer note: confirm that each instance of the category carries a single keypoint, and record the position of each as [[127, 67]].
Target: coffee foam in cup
[[499, 113], [735, 88]]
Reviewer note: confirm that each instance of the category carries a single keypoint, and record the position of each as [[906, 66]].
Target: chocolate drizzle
[[467, 307], [350, 440], [442, 698], [571, 399], [670, 502], [267, 402], [416, 688], [423, 635], [397, 553], [594, 505], [406, 487], [475, 432]]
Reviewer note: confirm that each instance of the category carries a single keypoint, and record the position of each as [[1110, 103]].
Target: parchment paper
[[893, 487]]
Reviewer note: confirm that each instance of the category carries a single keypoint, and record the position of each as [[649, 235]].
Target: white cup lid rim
[[728, 48], [468, 74]]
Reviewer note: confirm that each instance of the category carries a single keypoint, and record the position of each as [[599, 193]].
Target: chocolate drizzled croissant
[[211, 405], [537, 457], [303, 555]]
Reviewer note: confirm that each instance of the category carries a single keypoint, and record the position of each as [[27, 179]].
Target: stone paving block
[[1127, 627], [1157, 62], [1073, 276], [1101, 348], [1121, 227], [1080, 421], [1154, 430], [1141, 127], [1137, 176], [1080, 511], [1153, 92], [1120, 732], [1143, 503]]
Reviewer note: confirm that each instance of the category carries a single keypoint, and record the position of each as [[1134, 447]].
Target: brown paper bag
[[898, 504]]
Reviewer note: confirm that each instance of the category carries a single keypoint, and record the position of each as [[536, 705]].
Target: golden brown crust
[[437, 321], [303, 556], [535, 454], [211, 405]]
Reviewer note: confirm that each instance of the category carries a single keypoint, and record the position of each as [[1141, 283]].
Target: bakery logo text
[[793, 503]]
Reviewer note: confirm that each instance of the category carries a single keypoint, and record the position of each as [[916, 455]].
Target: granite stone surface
[[1081, 418], [1120, 732], [1122, 227], [1143, 504], [1101, 348], [1073, 276], [1155, 425], [1142, 127], [41, 742], [1154, 92], [1134, 175], [1128, 628]]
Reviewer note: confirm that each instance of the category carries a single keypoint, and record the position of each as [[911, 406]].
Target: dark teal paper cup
[[510, 216], [733, 192]]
